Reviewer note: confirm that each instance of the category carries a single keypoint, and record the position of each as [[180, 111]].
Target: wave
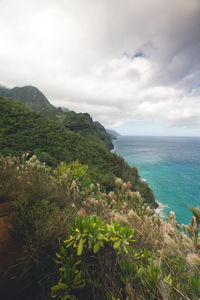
[[113, 150], [160, 208]]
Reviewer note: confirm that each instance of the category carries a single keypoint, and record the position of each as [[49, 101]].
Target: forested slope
[[23, 130]]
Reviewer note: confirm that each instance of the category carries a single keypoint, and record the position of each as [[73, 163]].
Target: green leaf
[[140, 271], [168, 279], [80, 247], [117, 244], [69, 240], [124, 247], [90, 244], [96, 247], [114, 238], [60, 286], [101, 243], [77, 277], [68, 245], [58, 255], [77, 263]]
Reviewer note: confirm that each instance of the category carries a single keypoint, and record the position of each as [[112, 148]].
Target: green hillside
[[23, 130], [33, 98], [84, 125], [80, 123]]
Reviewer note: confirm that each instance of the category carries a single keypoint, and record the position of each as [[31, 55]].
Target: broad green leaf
[[114, 238], [96, 247], [58, 255], [101, 243], [70, 238], [117, 244], [100, 236], [124, 247], [90, 242], [60, 286], [80, 247]]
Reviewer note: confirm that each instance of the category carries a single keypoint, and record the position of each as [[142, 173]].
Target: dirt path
[[9, 252]]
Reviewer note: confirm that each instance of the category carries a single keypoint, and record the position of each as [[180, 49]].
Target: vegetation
[[84, 232], [82, 243], [23, 130], [33, 98], [83, 124], [79, 123]]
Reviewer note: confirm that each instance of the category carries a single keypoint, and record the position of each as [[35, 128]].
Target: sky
[[133, 65]]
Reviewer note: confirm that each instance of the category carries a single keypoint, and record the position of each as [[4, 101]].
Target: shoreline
[[159, 209], [157, 206], [113, 150]]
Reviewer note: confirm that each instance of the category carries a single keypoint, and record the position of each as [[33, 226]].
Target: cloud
[[118, 60]]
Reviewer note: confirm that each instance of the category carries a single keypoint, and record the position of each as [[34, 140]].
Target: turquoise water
[[170, 165]]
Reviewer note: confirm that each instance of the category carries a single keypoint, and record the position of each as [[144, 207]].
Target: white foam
[[113, 150], [159, 209]]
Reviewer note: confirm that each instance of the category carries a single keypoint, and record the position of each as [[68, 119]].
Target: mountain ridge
[[80, 123]]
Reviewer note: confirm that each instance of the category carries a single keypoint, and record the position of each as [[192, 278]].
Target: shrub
[[84, 258], [76, 172]]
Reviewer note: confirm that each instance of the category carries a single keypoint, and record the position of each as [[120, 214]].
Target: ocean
[[171, 167]]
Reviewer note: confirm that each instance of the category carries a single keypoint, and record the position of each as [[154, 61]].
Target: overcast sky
[[133, 65]]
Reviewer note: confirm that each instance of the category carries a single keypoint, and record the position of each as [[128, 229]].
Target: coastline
[[159, 209], [113, 150], [157, 206]]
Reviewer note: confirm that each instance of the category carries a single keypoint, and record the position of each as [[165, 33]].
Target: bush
[[75, 172], [89, 257]]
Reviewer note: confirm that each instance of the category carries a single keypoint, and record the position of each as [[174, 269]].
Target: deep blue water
[[170, 165]]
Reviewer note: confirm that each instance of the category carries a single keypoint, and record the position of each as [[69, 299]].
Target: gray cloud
[[81, 55]]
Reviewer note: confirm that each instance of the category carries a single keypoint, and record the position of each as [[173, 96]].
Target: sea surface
[[171, 167]]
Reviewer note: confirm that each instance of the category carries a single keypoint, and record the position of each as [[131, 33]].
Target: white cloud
[[80, 54]]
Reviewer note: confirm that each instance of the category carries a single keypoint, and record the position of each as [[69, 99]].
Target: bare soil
[[9, 254]]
